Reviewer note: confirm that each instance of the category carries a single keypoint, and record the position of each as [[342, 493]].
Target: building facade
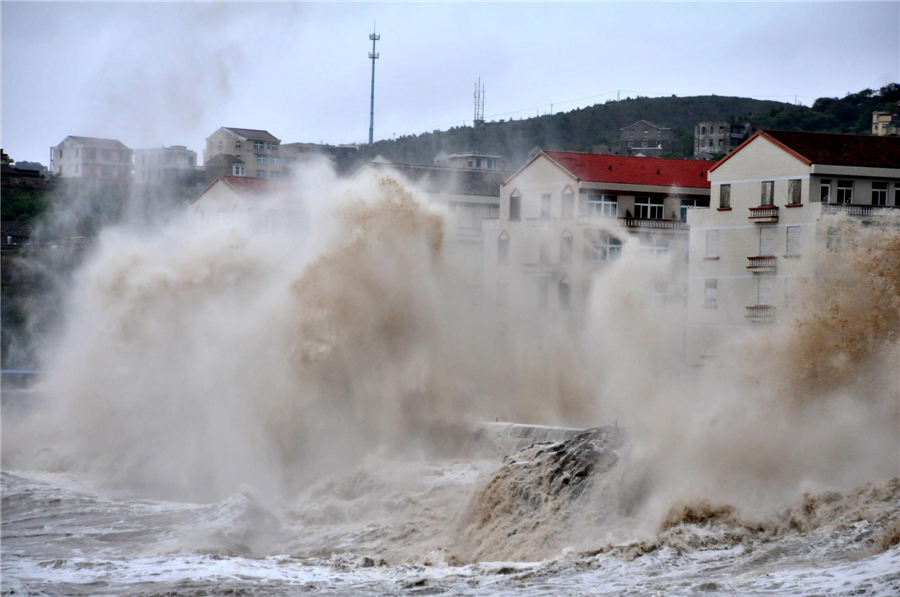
[[886, 123], [646, 138], [472, 159], [269, 205], [772, 205], [259, 150], [295, 155], [720, 136], [91, 158], [564, 216], [160, 166]]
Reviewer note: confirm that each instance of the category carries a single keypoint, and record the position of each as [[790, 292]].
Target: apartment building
[[646, 138], [295, 155], [885, 123], [720, 136], [471, 159], [91, 158], [159, 166], [773, 201], [259, 150], [565, 215]]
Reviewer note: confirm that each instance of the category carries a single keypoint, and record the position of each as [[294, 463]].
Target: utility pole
[[373, 55], [479, 104]]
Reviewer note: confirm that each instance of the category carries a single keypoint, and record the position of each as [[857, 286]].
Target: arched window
[[503, 249], [515, 205], [237, 144]]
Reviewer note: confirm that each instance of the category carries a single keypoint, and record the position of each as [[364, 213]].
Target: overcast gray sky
[[172, 73]]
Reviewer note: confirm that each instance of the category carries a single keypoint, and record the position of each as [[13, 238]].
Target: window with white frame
[[275, 160], [845, 191], [725, 196], [237, 144], [648, 208], [272, 146], [794, 192], [566, 245], [712, 244], [766, 241], [825, 191], [766, 284], [568, 204], [767, 196], [603, 205], [545, 205], [655, 245], [515, 206], [260, 159], [711, 293], [261, 174], [793, 241], [259, 145], [274, 174], [879, 193], [238, 170], [601, 246]]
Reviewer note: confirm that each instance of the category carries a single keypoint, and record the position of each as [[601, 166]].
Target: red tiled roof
[[833, 149], [621, 169]]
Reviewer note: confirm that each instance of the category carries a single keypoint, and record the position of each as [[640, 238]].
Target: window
[[712, 244], [478, 162], [602, 247], [568, 204], [647, 208], [794, 192], [272, 146], [503, 249], [825, 191], [238, 170], [603, 205], [490, 163], [768, 193], [565, 295], [545, 205], [790, 291], [879, 193], [766, 241], [765, 291], [725, 196], [261, 174], [631, 134], [515, 207], [237, 144], [646, 132], [711, 293], [260, 159], [845, 191], [655, 245], [702, 130], [471, 163], [897, 195], [544, 254], [565, 247], [793, 240], [275, 160], [220, 145], [60, 153], [543, 294], [721, 129], [259, 145], [274, 174]]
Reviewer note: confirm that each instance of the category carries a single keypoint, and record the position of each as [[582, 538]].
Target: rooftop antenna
[[479, 104], [373, 56]]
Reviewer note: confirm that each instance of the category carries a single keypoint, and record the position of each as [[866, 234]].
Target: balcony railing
[[539, 269], [764, 213], [761, 312], [539, 222], [763, 263], [468, 233], [856, 210], [634, 222], [490, 224]]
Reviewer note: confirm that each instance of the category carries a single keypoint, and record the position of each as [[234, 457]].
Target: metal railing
[[761, 312], [539, 269], [490, 224], [634, 222], [856, 210], [762, 262], [763, 211]]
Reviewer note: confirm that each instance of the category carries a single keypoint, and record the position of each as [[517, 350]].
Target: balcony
[[539, 269], [468, 233], [762, 264], [761, 313], [633, 222], [490, 224], [857, 210], [539, 222], [764, 214]]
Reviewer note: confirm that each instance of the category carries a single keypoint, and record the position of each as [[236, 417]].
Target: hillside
[[583, 128]]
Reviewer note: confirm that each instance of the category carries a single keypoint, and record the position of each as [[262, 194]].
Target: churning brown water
[[236, 409]]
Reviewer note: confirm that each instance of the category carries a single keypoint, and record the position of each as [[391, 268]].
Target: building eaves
[[254, 134]]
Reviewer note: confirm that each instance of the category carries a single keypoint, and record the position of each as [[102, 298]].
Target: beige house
[[91, 158], [885, 123], [259, 150], [565, 215], [772, 201], [164, 165]]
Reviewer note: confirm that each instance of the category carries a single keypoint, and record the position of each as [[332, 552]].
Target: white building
[[164, 165], [565, 214], [772, 198], [91, 158]]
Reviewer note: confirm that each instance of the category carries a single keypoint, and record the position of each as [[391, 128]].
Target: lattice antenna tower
[[373, 56], [479, 103]]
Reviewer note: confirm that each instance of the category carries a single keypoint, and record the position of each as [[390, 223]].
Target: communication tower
[[479, 104], [373, 56]]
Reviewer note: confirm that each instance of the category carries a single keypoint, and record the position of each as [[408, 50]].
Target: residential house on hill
[[162, 166], [646, 138], [720, 136], [267, 204], [91, 158], [259, 150], [774, 198]]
